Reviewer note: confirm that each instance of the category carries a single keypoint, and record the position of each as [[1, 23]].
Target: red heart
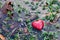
[[38, 24]]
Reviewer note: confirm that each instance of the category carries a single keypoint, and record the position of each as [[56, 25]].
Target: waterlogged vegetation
[[30, 19]]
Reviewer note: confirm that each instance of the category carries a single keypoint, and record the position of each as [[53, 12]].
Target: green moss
[[32, 3], [48, 35], [28, 20], [34, 7], [7, 18], [9, 13], [0, 5], [27, 2], [51, 17], [32, 38]]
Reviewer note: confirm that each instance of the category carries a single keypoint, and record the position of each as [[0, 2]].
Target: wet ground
[[15, 24]]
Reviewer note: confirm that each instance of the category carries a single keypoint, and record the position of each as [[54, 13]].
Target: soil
[[15, 24]]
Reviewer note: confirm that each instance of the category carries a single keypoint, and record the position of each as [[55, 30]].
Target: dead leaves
[[25, 30], [2, 37], [7, 6]]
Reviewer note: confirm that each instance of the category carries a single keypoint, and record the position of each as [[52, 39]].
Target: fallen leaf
[[2, 37], [25, 30], [7, 6]]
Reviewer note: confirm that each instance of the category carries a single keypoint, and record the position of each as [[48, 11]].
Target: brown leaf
[[2, 37], [25, 30], [7, 6]]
